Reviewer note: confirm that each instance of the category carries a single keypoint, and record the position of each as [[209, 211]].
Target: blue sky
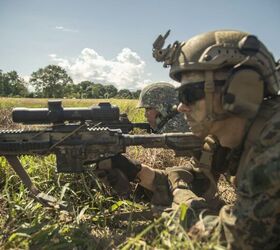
[[110, 41]]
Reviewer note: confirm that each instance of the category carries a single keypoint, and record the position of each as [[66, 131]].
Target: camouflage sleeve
[[176, 124], [253, 222]]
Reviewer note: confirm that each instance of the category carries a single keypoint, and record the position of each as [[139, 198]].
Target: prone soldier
[[160, 101], [230, 95]]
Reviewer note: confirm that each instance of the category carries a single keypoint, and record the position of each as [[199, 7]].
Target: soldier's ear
[[243, 92]]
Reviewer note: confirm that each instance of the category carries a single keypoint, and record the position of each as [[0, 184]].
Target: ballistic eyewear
[[193, 92]]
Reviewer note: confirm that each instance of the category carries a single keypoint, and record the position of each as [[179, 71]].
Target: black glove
[[117, 172], [129, 167]]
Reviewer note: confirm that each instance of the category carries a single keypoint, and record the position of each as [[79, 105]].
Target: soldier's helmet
[[160, 96], [237, 60]]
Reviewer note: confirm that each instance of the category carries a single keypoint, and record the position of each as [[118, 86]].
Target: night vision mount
[[168, 54]]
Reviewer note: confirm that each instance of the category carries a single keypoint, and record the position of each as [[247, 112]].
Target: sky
[[110, 41]]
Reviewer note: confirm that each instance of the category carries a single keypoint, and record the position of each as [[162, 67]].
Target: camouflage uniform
[[176, 124], [253, 222], [236, 59], [164, 98]]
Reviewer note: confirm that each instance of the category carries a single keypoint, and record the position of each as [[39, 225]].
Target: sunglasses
[[191, 93]]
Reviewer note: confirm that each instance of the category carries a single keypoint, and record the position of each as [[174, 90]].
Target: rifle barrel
[[176, 141]]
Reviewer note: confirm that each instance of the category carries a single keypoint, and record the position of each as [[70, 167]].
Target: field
[[96, 218]]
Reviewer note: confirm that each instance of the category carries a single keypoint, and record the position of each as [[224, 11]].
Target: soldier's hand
[[129, 167], [180, 179], [187, 197], [117, 172], [115, 179]]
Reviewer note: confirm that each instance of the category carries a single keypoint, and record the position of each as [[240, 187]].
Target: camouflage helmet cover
[[160, 96]]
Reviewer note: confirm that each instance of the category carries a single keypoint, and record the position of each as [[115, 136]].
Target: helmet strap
[[209, 89]]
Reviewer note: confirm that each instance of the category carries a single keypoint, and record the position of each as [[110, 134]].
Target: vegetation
[[96, 218], [54, 82], [11, 84], [50, 82]]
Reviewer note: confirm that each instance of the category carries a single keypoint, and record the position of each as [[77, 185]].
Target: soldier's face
[[195, 114], [151, 115], [193, 105]]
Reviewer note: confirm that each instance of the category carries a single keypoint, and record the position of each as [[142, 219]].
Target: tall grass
[[95, 218]]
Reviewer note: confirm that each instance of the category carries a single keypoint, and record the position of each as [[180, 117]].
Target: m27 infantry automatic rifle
[[79, 137]]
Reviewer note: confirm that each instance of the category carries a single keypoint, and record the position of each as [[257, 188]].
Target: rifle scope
[[55, 113]]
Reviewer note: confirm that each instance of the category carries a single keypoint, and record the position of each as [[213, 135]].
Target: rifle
[[77, 145]]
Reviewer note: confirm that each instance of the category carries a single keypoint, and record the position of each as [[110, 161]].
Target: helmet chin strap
[[209, 89], [204, 125], [208, 152]]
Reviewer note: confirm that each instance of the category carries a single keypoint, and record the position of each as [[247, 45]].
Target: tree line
[[54, 82]]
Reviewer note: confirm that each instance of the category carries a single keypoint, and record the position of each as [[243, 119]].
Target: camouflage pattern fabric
[[176, 124], [160, 96], [253, 222], [163, 97]]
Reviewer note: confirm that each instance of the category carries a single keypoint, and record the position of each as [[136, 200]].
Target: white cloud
[[26, 78], [126, 70], [61, 28], [30, 87]]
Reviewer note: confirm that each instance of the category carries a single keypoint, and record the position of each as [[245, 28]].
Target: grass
[[96, 218]]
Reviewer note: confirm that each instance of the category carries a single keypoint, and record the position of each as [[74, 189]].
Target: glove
[[117, 172], [118, 181], [166, 181], [187, 197], [129, 167], [162, 196], [180, 179]]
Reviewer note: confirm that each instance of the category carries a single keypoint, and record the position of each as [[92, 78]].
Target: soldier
[[160, 101], [229, 94]]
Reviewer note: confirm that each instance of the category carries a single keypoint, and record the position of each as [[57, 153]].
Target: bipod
[[45, 199]]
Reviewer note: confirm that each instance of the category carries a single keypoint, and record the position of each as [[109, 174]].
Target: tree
[[136, 94], [124, 94], [50, 81], [84, 89], [97, 91], [11, 84], [110, 91], [71, 91]]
